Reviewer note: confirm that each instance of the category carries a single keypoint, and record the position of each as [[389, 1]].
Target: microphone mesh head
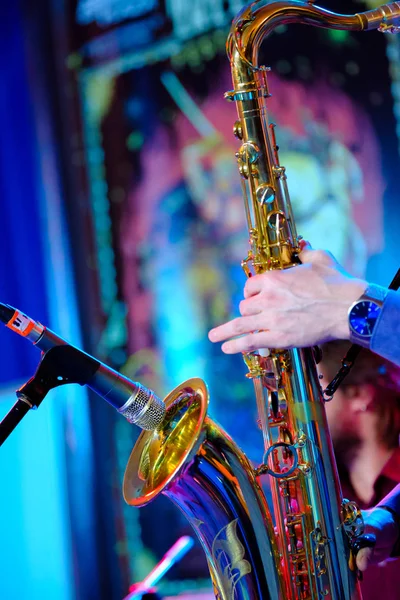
[[144, 409]]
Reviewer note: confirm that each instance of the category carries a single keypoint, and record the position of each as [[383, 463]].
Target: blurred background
[[123, 230]]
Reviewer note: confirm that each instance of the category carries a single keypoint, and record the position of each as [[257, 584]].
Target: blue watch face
[[363, 317]]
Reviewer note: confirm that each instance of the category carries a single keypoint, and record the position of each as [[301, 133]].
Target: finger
[[364, 558], [250, 306], [253, 341], [253, 285], [238, 326], [317, 257]]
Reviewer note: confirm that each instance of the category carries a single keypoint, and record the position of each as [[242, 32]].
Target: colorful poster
[[166, 197]]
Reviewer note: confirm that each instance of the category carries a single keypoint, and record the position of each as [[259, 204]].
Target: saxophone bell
[[190, 459]]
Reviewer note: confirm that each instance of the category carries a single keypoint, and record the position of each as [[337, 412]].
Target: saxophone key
[[238, 130], [265, 194], [279, 172]]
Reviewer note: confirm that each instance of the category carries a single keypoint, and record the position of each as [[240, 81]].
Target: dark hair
[[383, 375]]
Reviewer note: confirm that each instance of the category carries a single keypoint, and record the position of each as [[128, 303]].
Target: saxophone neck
[[257, 21]]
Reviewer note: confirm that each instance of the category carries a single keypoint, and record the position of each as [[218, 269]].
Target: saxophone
[[304, 551]]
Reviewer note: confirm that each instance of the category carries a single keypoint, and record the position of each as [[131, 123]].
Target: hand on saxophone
[[385, 527], [293, 308]]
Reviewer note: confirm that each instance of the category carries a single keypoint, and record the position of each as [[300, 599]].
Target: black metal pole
[[13, 417]]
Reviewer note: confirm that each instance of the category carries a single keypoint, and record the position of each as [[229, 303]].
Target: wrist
[[350, 292]]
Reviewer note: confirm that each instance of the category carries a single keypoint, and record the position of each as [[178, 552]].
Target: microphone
[[131, 399]]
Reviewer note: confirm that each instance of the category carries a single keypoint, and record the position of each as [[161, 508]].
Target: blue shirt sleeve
[[386, 337], [392, 501]]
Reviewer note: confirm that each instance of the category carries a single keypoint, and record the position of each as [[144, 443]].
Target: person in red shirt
[[364, 420]]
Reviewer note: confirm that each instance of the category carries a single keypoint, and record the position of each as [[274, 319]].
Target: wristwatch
[[364, 313]]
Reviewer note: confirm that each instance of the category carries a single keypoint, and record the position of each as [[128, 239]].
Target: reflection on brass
[[255, 365]]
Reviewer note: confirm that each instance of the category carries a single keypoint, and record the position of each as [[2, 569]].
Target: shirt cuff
[[385, 340]]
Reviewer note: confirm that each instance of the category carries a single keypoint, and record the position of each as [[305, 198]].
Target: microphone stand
[[15, 416], [60, 365]]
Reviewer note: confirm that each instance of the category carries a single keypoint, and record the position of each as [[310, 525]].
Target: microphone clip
[[58, 366]]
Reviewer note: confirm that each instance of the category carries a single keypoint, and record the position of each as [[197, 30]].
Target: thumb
[[364, 558]]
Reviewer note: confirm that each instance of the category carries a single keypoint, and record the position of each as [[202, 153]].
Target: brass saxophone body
[[303, 552]]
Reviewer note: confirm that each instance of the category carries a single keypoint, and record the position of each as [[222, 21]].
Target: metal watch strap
[[374, 293]]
